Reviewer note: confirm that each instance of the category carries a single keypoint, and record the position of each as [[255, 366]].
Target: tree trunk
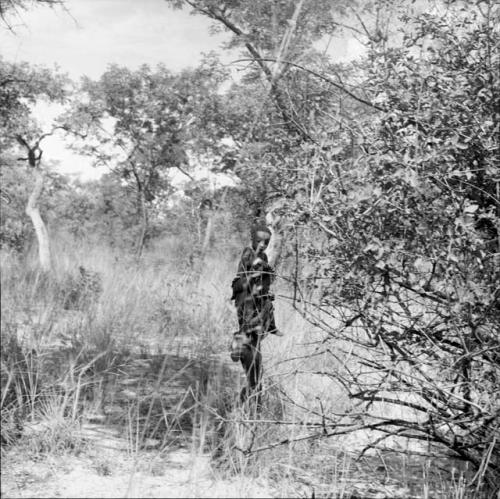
[[277, 241], [275, 248], [40, 229], [144, 225], [208, 231]]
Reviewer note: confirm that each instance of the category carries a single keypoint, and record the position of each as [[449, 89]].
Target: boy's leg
[[241, 338]]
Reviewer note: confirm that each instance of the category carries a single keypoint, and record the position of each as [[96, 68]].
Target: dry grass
[[151, 357]]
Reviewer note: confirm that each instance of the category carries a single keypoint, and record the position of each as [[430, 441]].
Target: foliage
[[411, 263], [14, 225], [100, 210], [279, 117], [155, 118], [16, 183], [21, 86]]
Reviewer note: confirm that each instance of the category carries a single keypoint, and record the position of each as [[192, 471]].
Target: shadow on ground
[[163, 400]]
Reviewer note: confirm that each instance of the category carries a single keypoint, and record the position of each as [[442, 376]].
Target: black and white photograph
[[250, 249]]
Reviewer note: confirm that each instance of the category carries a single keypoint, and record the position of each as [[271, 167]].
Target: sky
[[87, 35]]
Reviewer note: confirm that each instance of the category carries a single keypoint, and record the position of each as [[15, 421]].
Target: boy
[[251, 290]]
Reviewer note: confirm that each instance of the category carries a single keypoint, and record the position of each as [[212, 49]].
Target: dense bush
[[412, 257]]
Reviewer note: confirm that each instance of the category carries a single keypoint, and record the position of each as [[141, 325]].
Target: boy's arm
[[266, 268], [246, 260], [244, 273]]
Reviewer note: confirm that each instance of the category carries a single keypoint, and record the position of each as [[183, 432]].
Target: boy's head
[[261, 236]]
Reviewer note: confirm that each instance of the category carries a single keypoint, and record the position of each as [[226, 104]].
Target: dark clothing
[[251, 293]]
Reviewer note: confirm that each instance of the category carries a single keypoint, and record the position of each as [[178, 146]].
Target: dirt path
[[103, 463], [107, 469]]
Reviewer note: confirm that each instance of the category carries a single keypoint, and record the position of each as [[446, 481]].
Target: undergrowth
[[147, 351]]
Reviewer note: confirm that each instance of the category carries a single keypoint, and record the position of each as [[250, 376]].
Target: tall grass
[[146, 306], [150, 356]]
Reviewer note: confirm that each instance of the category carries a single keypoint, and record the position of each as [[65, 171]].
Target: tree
[[155, 118], [20, 87], [272, 33], [280, 116]]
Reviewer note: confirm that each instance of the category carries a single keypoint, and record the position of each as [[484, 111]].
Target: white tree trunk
[[275, 248], [33, 212], [276, 243]]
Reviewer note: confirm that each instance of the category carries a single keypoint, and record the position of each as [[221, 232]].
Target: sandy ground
[[107, 472], [105, 467]]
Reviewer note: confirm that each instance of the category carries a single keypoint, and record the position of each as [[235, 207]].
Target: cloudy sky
[[87, 35], [90, 34]]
